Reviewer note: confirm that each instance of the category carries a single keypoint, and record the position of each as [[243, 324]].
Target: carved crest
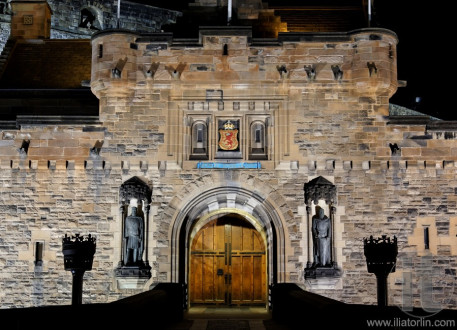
[[228, 137]]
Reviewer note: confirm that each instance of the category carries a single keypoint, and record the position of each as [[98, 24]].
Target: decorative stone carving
[[320, 188], [337, 72], [135, 228], [135, 188], [310, 72], [321, 229], [133, 239], [323, 264], [372, 68]]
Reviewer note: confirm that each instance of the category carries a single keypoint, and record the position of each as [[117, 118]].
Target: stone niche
[[133, 270], [321, 270]]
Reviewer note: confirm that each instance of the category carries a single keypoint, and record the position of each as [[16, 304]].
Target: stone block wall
[[330, 126]]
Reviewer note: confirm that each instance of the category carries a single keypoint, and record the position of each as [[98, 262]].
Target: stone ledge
[[144, 165]]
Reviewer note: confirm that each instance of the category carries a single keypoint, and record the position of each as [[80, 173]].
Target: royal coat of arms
[[228, 137]]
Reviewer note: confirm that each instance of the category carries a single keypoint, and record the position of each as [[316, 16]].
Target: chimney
[[31, 19]]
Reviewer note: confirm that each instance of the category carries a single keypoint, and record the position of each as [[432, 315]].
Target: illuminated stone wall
[[324, 103]]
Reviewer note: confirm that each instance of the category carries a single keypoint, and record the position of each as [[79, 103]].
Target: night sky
[[424, 53]]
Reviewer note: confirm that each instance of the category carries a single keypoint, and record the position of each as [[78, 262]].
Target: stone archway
[[216, 202]]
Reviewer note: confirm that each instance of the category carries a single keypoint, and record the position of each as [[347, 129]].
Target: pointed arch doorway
[[228, 262]]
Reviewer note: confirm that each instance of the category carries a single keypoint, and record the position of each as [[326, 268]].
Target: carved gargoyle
[[394, 148], [176, 72], [310, 71], [24, 147], [117, 71], [372, 68], [282, 70], [152, 70], [95, 150], [337, 72]]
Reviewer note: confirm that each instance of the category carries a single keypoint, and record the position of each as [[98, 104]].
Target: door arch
[[227, 263], [205, 205]]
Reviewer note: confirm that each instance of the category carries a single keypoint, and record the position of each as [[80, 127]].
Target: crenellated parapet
[[363, 61]]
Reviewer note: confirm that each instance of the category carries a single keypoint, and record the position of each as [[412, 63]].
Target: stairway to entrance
[[228, 318]]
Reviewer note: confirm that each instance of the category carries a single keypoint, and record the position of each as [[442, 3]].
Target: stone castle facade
[[311, 116]]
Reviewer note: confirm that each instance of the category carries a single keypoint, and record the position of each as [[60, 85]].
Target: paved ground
[[228, 318]]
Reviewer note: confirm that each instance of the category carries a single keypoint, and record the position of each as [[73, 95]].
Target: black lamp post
[[381, 255], [78, 257]]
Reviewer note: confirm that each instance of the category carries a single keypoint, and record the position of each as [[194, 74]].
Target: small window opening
[[87, 19], [258, 131], [258, 150], [39, 253], [199, 142], [426, 238], [100, 51]]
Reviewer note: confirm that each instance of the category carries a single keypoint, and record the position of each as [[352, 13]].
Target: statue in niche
[[321, 230], [133, 237]]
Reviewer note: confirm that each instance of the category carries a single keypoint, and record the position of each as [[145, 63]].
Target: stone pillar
[[309, 237], [146, 211]]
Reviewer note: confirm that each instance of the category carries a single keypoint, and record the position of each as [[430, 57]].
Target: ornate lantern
[[381, 256], [78, 255]]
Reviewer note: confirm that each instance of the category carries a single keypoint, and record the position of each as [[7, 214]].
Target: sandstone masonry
[[323, 104]]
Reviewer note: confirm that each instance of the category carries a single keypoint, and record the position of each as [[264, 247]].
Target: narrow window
[[258, 131], [100, 51], [199, 147], [257, 149], [426, 238], [39, 253]]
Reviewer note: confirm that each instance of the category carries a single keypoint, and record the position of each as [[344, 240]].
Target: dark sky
[[424, 53]]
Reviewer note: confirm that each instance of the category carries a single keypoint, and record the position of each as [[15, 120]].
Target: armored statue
[[133, 238], [321, 230]]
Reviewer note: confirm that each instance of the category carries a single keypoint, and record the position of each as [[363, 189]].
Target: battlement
[[362, 60]]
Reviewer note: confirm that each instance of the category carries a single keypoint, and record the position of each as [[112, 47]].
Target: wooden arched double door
[[228, 264]]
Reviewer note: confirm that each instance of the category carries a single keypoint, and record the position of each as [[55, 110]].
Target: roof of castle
[[48, 63], [47, 78]]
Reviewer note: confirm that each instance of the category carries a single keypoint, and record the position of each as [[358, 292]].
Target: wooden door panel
[[196, 276], [208, 279], [227, 264], [246, 285], [220, 279], [248, 235], [237, 282], [208, 239], [259, 274], [237, 237]]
